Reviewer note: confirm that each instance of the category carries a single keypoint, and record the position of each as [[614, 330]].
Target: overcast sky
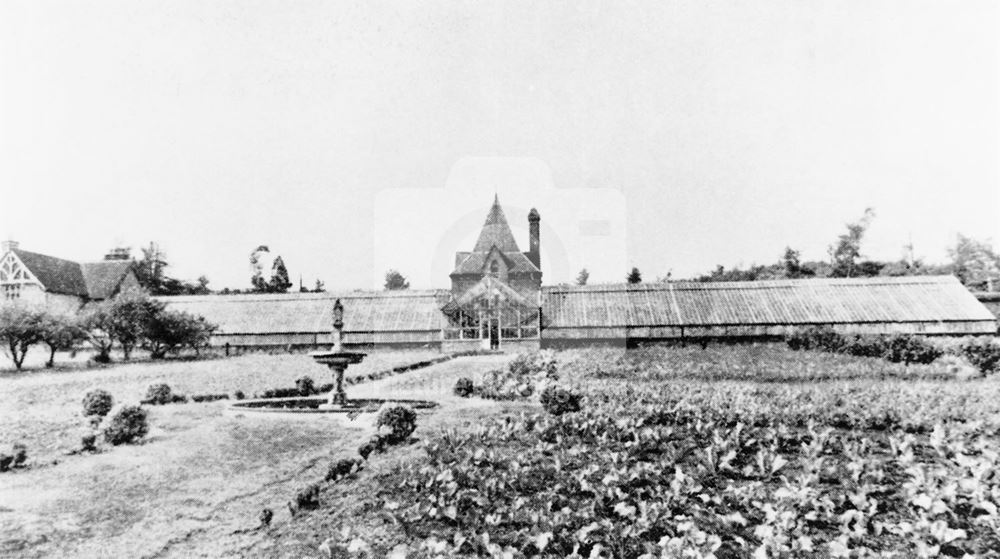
[[707, 132]]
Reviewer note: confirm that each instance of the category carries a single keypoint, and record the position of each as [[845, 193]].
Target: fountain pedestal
[[337, 359]]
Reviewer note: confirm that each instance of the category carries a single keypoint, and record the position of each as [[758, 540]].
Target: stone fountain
[[337, 360], [337, 402]]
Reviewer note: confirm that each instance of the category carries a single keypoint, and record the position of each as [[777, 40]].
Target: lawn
[[201, 473]]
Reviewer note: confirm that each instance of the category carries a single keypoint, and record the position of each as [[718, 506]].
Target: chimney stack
[[9, 245], [534, 252]]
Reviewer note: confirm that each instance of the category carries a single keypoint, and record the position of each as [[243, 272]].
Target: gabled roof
[[496, 232], [775, 302], [103, 278], [56, 274], [475, 262], [93, 280], [489, 286], [364, 311]]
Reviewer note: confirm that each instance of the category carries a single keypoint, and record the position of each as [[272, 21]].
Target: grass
[[42, 408], [197, 484]]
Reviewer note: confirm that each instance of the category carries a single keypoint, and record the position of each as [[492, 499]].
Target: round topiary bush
[[305, 386], [127, 424], [97, 402], [400, 420], [558, 401], [464, 387], [159, 394]]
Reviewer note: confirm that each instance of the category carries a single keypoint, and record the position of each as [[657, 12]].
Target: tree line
[[974, 262], [127, 321]]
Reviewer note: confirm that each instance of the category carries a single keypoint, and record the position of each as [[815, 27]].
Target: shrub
[[558, 401], [305, 386], [97, 402], [984, 355], [208, 397], [816, 337], [907, 348], [265, 516], [377, 443], [88, 443], [399, 419], [343, 468], [500, 384], [464, 387], [239, 395], [126, 425], [307, 498], [5, 461], [957, 366], [159, 394], [20, 454], [536, 363]]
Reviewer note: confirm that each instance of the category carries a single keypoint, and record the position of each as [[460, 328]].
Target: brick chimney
[[8, 246], [534, 241]]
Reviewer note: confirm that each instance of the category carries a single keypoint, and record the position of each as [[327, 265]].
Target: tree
[[130, 315], [200, 288], [845, 253], [792, 265], [20, 328], [279, 277], [123, 319], [278, 282], [60, 333], [150, 269], [96, 324], [171, 331], [319, 287], [975, 263], [257, 269], [635, 276], [582, 277], [395, 281], [151, 273]]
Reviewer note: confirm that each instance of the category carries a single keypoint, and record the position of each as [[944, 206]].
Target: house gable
[[13, 271]]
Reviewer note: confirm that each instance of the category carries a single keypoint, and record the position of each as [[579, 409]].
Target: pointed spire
[[496, 232]]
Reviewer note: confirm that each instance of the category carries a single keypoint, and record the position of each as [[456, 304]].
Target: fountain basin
[[342, 358], [313, 404]]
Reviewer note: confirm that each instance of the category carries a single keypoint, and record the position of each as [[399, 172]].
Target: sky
[[351, 137]]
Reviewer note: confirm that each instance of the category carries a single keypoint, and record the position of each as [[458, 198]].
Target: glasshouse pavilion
[[497, 301]]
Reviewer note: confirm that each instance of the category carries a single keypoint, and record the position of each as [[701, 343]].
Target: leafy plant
[[343, 468], [305, 386], [307, 498], [159, 394], [399, 419], [984, 355], [97, 402], [558, 401], [464, 387], [126, 425]]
